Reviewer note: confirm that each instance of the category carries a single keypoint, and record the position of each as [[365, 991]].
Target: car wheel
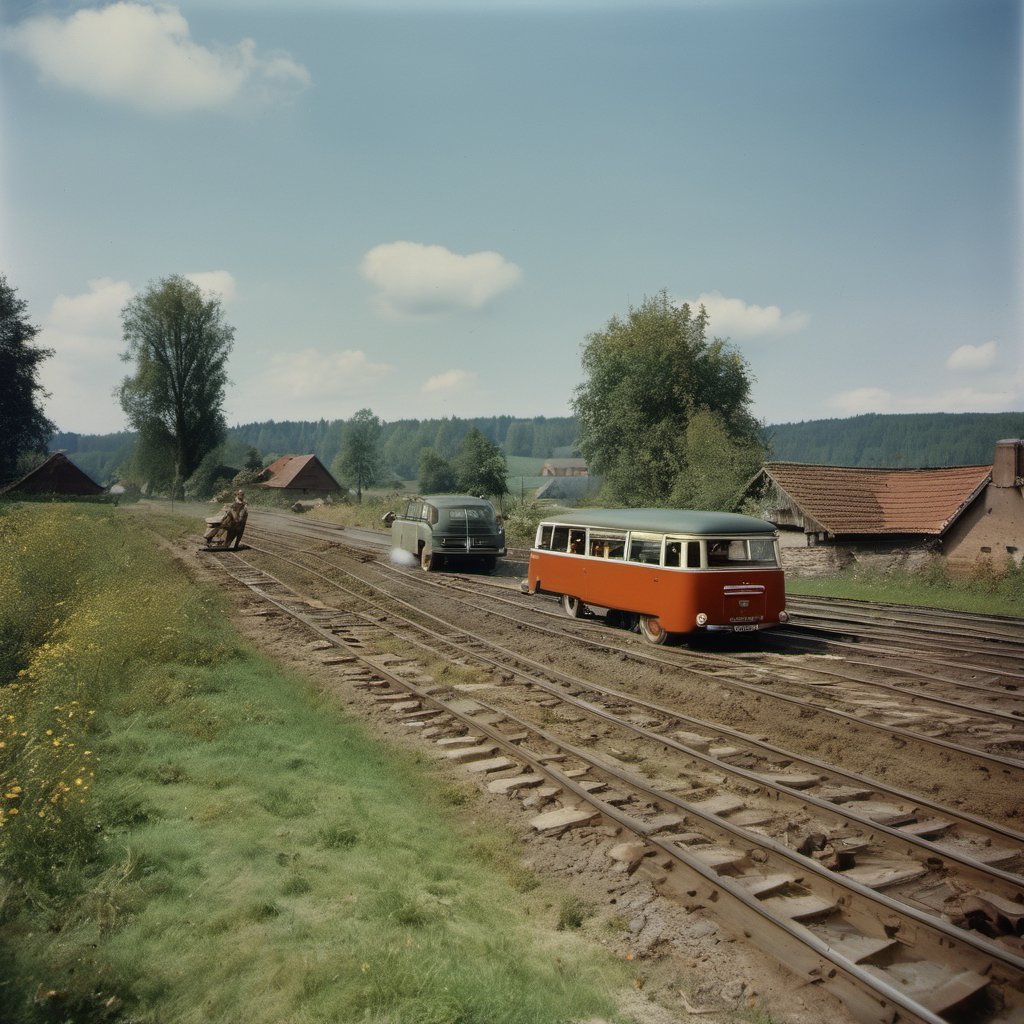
[[427, 560], [573, 606]]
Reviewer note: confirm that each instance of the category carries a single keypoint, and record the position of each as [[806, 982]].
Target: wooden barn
[[58, 475], [299, 476], [833, 516]]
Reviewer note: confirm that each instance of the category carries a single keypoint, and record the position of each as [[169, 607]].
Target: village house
[[299, 476], [830, 517], [58, 475]]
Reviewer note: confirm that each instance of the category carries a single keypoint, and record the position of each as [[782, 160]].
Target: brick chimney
[[1008, 465]]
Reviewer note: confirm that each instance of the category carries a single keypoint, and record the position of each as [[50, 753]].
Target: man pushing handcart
[[225, 530]]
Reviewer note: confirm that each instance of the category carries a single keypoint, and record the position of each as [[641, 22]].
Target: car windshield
[[470, 513]]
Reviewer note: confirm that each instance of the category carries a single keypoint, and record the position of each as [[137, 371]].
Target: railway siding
[[703, 846]]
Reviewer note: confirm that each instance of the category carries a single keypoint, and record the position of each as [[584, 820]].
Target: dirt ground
[[687, 966]]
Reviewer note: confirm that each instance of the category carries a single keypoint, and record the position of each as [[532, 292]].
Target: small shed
[[892, 518], [299, 476], [565, 467], [57, 475]]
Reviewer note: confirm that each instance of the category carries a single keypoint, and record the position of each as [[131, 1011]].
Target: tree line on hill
[[896, 441], [908, 441], [663, 415]]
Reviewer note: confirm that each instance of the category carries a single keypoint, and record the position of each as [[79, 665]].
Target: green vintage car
[[440, 527]]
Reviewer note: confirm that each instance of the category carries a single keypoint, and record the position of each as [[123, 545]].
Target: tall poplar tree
[[359, 461], [179, 342], [23, 426]]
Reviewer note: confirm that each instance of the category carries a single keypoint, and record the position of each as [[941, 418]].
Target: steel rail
[[802, 796], [880, 990]]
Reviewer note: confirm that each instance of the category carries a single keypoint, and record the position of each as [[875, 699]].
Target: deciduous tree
[[180, 342], [359, 461], [647, 377], [436, 473], [480, 466], [24, 429]]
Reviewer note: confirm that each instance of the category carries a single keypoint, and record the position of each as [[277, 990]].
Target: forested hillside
[[403, 440], [914, 440]]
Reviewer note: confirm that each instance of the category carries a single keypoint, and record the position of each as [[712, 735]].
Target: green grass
[[238, 849], [986, 591]]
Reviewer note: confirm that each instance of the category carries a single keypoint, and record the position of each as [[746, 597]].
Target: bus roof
[[664, 520]]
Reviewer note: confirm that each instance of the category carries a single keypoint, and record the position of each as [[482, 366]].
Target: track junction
[[845, 794]]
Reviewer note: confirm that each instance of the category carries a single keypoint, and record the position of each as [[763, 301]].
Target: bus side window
[[578, 542], [545, 537], [560, 538], [672, 554], [693, 554]]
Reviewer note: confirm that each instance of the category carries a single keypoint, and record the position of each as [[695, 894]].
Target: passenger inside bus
[[577, 542]]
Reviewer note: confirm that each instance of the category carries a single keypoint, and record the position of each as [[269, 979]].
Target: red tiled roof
[[842, 500], [57, 475], [299, 471]]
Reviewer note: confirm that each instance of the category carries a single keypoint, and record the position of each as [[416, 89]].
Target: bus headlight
[[783, 617], [702, 619]]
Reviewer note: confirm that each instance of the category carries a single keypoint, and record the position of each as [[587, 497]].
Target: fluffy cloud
[[972, 357], [312, 379], [414, 279], [218, 283], [84, 332], [734, 318], [144, 56], [449, 381]]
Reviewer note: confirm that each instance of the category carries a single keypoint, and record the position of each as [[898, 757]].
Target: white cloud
[[95, 313], [219, 283], [311, 376], [144, 56], [734, 318], [972, 357], [864, 400], [449, 381], [414, 279], [84, 332]]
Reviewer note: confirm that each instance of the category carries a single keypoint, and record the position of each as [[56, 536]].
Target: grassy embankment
[[986, 591], [190, 835]]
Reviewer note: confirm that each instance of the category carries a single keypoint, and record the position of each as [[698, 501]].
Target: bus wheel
[[653, 631], [427, 560], [573, 606]]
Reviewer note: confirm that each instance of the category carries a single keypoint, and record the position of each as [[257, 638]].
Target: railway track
[[877, 864]]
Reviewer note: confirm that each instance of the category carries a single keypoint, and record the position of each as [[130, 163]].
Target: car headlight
[[702, 619], [783, 617]]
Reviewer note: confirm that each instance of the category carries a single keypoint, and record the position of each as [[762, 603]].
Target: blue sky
[[426, 207]]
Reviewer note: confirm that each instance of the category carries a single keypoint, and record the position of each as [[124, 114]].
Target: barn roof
[[57, 475], [845, 500], [299, 472]]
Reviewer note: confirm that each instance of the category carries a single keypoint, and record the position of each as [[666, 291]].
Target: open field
[[192, 834]]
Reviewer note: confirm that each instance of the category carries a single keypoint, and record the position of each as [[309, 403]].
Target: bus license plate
[[744, 629]]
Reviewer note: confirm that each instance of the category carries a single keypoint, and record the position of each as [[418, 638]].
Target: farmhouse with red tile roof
[[890, 517], [299, 476]]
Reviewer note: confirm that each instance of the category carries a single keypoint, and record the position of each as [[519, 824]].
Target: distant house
[[57, 475], [299, 476], [831, 516], [565, 467]]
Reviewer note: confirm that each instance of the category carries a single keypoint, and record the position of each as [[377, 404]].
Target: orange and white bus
[[668, 571]]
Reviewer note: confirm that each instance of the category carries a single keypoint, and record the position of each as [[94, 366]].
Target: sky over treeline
[[425, 208]]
